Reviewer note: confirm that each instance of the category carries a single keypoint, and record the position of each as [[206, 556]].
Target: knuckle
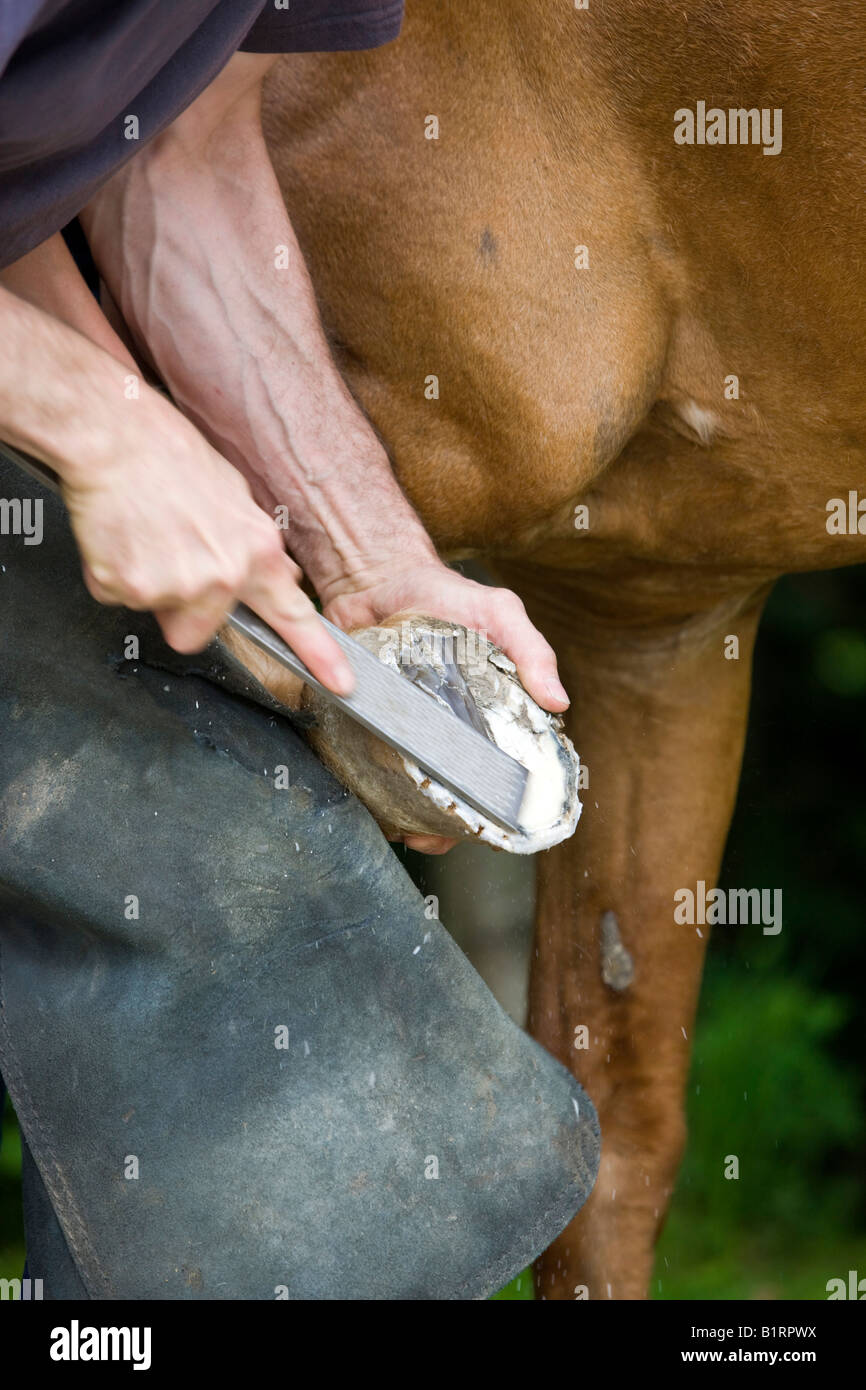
[[186, 590], [98, 590], [102, 575], [267, 548], [509, 601], [138, 592], [296, 608], [224, 588]]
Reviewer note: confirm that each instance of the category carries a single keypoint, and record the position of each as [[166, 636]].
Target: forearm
[[65, 381], [187, 237], [49, 279]]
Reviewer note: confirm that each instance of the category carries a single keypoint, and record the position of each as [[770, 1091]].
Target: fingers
[[193, 585], [191, 628], [498, 613], [276, 597], [102, 592], [510, 628]]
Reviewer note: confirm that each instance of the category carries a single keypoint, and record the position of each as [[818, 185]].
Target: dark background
[[778, 1068]]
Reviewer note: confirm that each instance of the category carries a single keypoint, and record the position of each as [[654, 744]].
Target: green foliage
[[766, 1089], [11, 1228]]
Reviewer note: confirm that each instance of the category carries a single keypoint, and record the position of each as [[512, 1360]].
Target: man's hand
[[430, 587], [171, 527]]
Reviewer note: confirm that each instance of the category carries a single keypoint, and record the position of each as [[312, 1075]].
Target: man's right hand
[[171, 527]]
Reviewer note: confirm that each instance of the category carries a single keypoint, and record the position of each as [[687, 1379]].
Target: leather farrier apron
[[245, 1064]]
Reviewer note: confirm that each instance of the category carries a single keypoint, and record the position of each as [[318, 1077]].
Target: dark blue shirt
[[72, 73]]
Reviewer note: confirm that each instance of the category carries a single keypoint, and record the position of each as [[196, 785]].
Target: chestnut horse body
[[629, 374]]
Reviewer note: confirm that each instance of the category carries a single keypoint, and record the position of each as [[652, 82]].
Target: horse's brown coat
[[605, 386]]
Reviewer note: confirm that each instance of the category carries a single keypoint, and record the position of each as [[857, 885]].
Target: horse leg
[[658, 717]]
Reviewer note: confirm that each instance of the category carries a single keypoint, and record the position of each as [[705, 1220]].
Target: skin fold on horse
[[694, 379]]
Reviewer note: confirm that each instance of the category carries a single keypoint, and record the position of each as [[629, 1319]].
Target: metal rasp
[[443, 745]]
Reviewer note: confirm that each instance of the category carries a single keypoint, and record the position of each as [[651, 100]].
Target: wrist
[[384, 568], [58, 391], [346, 520]]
